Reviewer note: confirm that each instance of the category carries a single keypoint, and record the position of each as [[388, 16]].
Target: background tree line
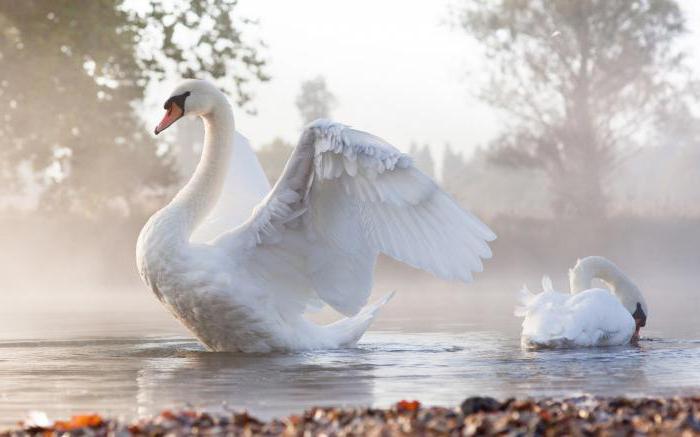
[[598, 107], [583, 88], [583, 85], [72, 74]]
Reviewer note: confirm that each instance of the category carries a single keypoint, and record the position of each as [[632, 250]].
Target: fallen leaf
[[77, 422], [405, 405]]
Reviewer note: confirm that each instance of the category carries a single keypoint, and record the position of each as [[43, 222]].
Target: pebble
[[586, 415]]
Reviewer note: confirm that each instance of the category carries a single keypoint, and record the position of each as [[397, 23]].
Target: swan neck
[[198, 197], [582, 275]]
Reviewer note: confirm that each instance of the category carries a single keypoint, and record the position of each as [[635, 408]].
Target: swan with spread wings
[[239, 263]]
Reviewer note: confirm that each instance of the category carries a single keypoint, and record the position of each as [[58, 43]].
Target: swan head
[[632, 299], [191, 97]]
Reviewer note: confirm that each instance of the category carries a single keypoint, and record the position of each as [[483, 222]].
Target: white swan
[[240, 278], [586, 316]]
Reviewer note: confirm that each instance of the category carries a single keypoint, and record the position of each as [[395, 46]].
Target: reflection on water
[[140, 376]]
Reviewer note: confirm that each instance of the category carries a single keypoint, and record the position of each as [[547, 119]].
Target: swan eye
[[639, 315], [179, 100]]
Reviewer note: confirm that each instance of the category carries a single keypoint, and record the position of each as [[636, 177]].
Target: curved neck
[[197, 198], [582, 275]]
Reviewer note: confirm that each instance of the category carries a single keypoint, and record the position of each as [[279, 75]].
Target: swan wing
[[600, 319], [244, 187], [344, 197]]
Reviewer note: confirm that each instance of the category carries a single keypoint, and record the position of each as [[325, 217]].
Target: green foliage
[[579, 82], [194, 37], [72, 73]]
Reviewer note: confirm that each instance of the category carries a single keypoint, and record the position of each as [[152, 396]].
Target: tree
[[72, 72], [423, 159], [453, 169], [580, 81], [315, 100], [492, 190], [273, 157]]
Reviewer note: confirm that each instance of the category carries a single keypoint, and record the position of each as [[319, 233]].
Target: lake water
[[121, 354]]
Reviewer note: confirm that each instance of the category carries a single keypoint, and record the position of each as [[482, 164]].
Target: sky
[[397, 68]]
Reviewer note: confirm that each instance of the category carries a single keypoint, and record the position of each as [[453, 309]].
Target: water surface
[[127, 357]]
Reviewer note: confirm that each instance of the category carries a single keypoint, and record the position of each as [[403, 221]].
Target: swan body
[[239, 264], [586, 316]]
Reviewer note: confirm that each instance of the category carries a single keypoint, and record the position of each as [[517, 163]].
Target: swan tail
[[528, 301], [349, 330], [525, 298], [547, 284]]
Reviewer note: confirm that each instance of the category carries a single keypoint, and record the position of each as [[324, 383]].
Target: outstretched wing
[[346, 195]]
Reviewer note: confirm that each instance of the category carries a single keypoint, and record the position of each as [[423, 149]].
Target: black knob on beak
[[639, 316]]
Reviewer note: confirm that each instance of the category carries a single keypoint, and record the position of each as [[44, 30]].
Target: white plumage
[[586, 316], [243, 284]]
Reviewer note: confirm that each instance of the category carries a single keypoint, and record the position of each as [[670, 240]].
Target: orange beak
[[173, 113]]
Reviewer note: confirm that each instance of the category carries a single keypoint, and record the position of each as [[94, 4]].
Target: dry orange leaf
[[408, 405], [294, 419], [81, 421]]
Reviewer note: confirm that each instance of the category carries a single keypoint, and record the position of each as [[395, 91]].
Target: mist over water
[[422, 304]]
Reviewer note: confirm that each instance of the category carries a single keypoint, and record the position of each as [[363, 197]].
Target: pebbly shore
[[585, 415]]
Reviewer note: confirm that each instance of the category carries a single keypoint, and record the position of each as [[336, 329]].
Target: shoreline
[[475, 416]]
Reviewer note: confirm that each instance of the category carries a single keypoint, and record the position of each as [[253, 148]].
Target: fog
[[81, 173]]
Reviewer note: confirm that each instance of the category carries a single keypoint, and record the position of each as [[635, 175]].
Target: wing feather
[[351, 195]]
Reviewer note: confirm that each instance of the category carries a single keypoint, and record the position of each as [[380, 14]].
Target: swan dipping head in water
[[586, 316], [597, 267]]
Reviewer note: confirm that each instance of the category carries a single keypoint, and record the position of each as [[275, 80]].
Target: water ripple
[[134, 376]]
